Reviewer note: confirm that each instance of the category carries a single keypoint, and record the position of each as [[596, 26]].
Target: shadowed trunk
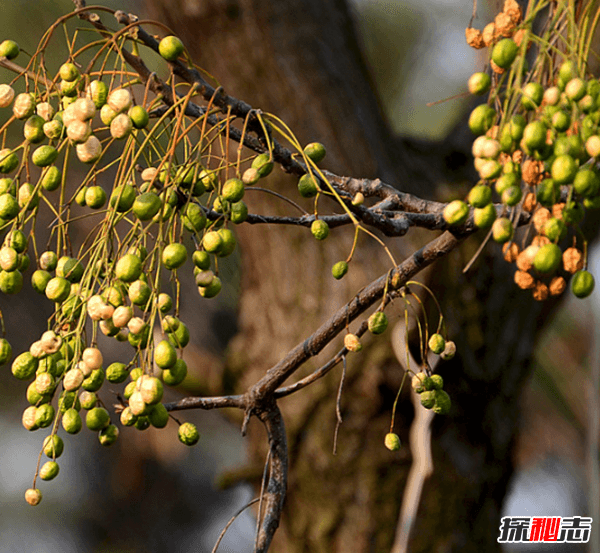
[[301, 61]]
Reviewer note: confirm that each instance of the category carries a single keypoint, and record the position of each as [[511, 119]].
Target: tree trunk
[[301, 61]]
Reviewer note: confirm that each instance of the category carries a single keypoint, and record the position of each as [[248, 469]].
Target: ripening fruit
[[378, 322], [33, 496], [139, 117], [174, 256], [44, 156], [392, 441], [109, 435], [505, 52], [479, 83], [564, 169], [119, 100], [165, 355], [352, 343], [170, 48], [71, 421], [53, 446], [547, 259], [582, 284], [159, 416], [456, 212], [339, 269], [176, 374], [319, 229], [7, 95], [10, 49], [97, 418], [307, 186], [233, 190], [146, 206], [437, 343], [502, 230], [481, 119], [442, 403], [315, 151], [188, 434], [49, 470], [263, 164]]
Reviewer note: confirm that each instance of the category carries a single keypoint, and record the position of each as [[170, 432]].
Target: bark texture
[[301, 61]]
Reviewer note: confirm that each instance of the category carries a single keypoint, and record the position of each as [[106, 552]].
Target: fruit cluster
[[148, 216], [536, 150]]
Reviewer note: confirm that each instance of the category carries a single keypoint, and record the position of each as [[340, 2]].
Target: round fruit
[[122, 198], [8, 161], [582, 284], [146, 206], [534, 135], [315, 151], [307, 186], [263, 164], [71, 421], [11, 282], [9, 206], [512, 195], [212, 241], [547, 259], [481, 119], [352, 343], [176, 374], [33, 130], [548, 192], [33, 496], [437, 343], [442, 403], [68, 72], [211, 290], [502, 230], [170, 48], [51, 178], [109, 435], [437, 382], [5, 351], [116, 373], [95, 197], [9, 49], [97, 419], [128, 268], [339, 269], [575, 89], [44, 156], [479, 83], [165, 355], [392, 441], [533, 94], [53, 446], [586, 183], [428, 399], [165, 303], [159, 416], [139, 117], [49, 470], [188, 434], [505, 52], [480, 195], [233, 190], [174, 256], [456, 212], [98, 92], [555, 229], [378, 322], [7, 95], [194, 219], [319, 229], [564, 169], [181, 337], [239, 212], [151, 389]]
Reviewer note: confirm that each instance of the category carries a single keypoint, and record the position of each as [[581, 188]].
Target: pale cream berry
[[120, 100], [122, 316], [85, 369], [68, 115], [24, 106], [90, 151], [28, 418], [94, 307], [149, 173], [45, 111], [121, 126], [136, 403], [73, 379], [79, 131], [106, 312], [36, 349], [7, 95], [136, 325], [84, 109], [92, 357], [44, 383], [51, 342]]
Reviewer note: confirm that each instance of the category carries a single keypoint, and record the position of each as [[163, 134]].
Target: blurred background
[[121, 499]]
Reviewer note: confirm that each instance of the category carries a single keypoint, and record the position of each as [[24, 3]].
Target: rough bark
[[301, 61]]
